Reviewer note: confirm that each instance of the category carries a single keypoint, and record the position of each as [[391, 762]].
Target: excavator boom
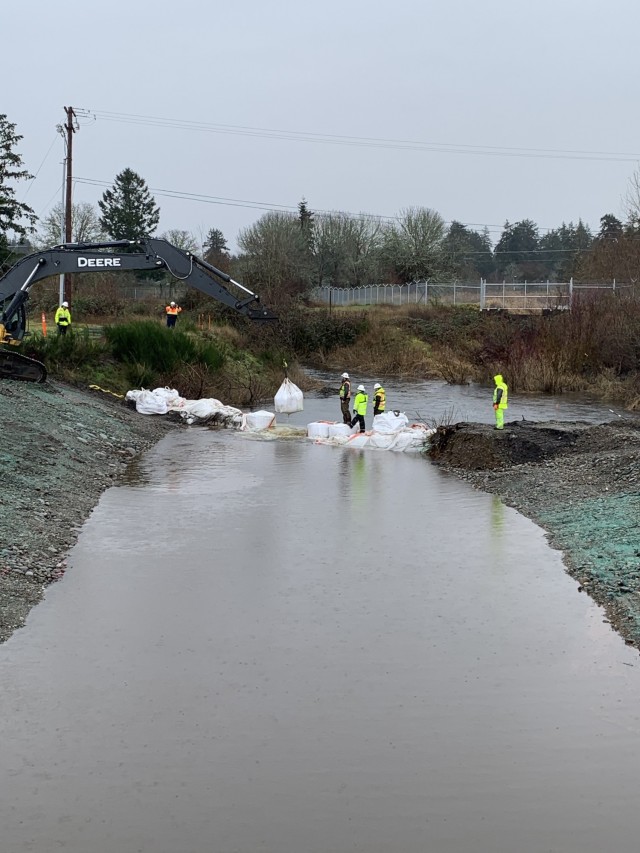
[[140, 255]]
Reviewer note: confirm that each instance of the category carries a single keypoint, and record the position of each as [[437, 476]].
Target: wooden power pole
[[70, 128]]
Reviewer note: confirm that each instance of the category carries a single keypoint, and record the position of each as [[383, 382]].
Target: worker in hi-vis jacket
[[360, 408], [172, 310], [63, 318], [500, 400], [345, 399], [379, 399]]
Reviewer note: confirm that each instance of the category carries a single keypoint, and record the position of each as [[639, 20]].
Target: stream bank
[[61, 448]]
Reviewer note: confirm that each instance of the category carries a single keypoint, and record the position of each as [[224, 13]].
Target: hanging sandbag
[[289, 398]]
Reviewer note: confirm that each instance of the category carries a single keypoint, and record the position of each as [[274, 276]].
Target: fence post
[[614, 285], [454, 293], [503, 294], [482, 297], [570, 293], [525, 294]]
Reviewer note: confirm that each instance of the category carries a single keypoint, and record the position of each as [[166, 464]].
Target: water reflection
[[286, 647]]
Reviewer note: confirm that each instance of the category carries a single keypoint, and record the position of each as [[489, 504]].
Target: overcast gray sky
[[330, 94]]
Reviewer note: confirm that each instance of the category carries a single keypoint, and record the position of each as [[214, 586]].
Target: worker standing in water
[[345, 399], [500, 400], [360, 408], [379, 399]]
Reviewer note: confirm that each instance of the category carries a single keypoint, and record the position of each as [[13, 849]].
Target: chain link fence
[[511, 296]]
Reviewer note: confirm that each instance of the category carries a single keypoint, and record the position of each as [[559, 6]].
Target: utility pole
[[70, 128]]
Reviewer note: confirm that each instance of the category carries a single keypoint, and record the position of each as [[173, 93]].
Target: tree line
[[293, 253]]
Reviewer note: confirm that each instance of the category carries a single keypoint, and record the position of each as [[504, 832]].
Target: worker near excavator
[[172, 311], [345, 399], [379, 399], [63, 318], [360, 408], [500, 400]]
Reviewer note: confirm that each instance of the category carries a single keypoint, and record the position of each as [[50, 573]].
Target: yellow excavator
[[145, 254]]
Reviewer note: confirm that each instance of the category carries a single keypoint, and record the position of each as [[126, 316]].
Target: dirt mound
[[477, 447]]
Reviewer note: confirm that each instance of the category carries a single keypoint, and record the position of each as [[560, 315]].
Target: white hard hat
[[360, 387], [172, 303], [65, 304], [345, 375], [377, 385]]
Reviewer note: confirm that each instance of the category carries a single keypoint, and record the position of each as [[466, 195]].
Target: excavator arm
[[140, 255]]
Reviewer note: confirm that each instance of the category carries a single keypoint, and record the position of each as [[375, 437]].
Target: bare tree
[[347, 249], [631, 199], [85, 225], [275, 254], [413, 245], [181, 240]]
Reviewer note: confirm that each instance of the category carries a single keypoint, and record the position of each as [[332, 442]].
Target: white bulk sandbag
[[389, 422], [319, 429], [381, 440], [289, 398], [148, 403], [204, 408], [409, 439], [339, 430], [169, 394], [360, 439], [260, 420]]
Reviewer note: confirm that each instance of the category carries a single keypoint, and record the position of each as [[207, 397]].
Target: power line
[[361, 141], [278, 207]]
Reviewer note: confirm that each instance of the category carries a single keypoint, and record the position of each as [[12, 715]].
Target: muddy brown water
[[283, 647]]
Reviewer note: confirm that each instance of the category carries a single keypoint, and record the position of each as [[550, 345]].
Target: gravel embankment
[[581, 483], [60, 449]]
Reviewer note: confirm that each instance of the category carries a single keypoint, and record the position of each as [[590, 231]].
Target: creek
[[291, 648]]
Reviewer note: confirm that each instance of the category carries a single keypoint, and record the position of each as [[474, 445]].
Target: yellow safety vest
[[380, 392], [360, 403], [345, 390], [500, 384], [63, 317]]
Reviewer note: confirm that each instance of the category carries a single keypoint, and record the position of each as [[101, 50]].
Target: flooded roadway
[[283, 647]]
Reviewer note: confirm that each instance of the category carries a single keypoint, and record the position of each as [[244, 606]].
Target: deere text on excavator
[[140, 255]]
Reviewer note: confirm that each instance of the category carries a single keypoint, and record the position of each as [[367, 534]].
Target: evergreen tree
[[216, 251], [468, 252], [517, 251], [128, 209], [305, 217], [15, 216], [610, 227]]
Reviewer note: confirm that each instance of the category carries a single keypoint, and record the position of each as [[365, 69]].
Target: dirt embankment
[[59, 449], [578, 481]]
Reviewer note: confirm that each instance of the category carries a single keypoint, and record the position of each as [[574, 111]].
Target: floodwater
[[283, 647]]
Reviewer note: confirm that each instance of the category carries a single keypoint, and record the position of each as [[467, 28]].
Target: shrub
[[160, 349]]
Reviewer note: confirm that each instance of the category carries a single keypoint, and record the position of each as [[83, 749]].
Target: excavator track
[[13, 365]]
